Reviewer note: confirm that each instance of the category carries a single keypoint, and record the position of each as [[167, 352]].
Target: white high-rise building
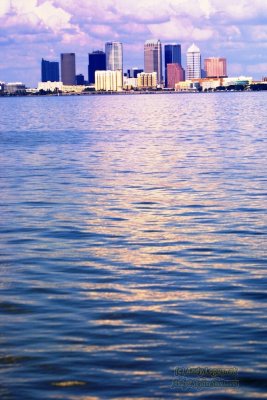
[[108, 81], [114, 56], [153, 58], [193, 65]]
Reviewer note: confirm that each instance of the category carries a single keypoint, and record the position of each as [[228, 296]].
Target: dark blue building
[[172, 55], [132, 73], [97, 62], [50, 71], [80, 79]]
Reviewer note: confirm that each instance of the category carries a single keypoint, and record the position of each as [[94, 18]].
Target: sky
[[34, 29]]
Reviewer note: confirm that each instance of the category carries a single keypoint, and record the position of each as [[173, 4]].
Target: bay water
[[133, 247]]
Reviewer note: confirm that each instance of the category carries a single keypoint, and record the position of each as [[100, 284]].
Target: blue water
[[133, 241]]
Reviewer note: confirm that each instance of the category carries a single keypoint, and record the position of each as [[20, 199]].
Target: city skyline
[[35, 29]]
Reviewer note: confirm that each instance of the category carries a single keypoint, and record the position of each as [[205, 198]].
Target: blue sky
[[32, 29]]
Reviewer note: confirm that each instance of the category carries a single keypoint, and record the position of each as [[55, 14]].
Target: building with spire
[[153, 58], [193, 63]]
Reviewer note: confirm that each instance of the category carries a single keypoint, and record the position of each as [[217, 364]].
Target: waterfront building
[[56, 87], [193, 63], [172, 55], [108, 81], [215, 67], [80, 79], [153, 58], [14, 88], [241, 80], [187, 86], [175, 74], [129, 83], [50, 86], [97, 62], [73, 89], [208, 84], [147, 80], [133, 72], [114, 56], [49, 71], [68, 69]]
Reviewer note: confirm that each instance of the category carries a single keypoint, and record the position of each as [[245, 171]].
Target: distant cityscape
[[162, 70]]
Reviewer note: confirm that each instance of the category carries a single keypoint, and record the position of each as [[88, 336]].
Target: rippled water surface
[[133, 241]]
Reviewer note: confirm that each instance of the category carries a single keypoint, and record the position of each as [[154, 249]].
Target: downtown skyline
[[34, 30]]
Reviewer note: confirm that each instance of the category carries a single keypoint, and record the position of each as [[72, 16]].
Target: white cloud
[[182, 19], [54, 18], [22, 6], [4, 7], [33, 14], [242, 10]]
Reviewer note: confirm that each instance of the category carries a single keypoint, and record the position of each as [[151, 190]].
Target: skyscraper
[[172, 55], [97, 62], [193, 64], [68, 69], [114, 56], [50, 71], [215, 67], [153, 58]]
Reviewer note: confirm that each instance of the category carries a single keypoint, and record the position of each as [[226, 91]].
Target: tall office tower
[[172, 55], [50, 71], [68, 69], [114, 56], [153, 58], [175, 74], [97, 62], [193, 64], [215, 67]]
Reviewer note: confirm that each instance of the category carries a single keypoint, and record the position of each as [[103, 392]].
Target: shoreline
[[125, 93]]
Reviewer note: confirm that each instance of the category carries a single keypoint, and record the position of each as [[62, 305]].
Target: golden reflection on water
[[135, 294], [81, 397]]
